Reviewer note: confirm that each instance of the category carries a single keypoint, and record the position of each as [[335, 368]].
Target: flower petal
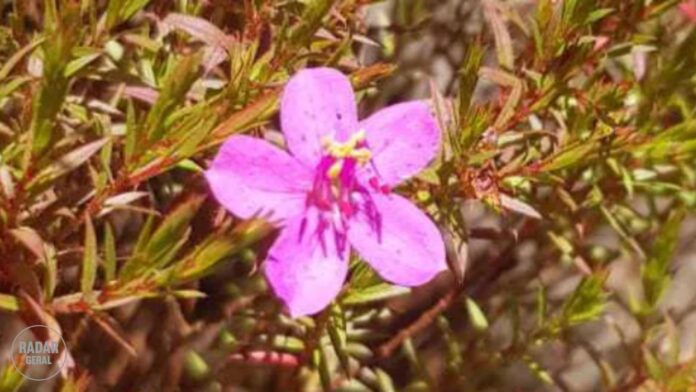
[[317, 102], [407, 249], [403, 138], [305, 274], [250, 176], [688, 8]]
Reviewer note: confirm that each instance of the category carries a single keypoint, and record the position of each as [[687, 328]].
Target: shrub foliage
[[570, 127]]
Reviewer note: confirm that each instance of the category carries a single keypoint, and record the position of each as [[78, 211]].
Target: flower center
[[335, 182], [336, 192], [354, 149]]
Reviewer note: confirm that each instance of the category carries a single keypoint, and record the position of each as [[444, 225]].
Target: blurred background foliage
[[565, 191]]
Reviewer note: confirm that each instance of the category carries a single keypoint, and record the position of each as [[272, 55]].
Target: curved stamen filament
[[337, 193]]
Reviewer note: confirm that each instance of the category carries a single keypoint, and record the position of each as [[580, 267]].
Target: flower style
[[334, 192]]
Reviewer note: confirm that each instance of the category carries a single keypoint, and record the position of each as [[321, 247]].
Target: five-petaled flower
[[334, 192]]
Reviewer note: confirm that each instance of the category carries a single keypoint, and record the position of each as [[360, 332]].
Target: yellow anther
[[347, 149], [359, 136], [339, 150], [362, 155], [335, 170]]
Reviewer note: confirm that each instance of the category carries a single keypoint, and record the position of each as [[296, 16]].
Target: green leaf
[[321, 362], [9, 303], [217, 248], [503, 41], [119, 11], [51, 274], [188, 294], [14, 84], [538, 370], [359, 351], [454, 349], [468, 77], [257, 112], [656, 369], [68, 162], [288, 344], [61, 38], [109, 253], [31, 240], [172, 229], [562, 243], [518, 206], [11, 379], [586, 303], [476, 315], [376, 293], [191, 133], [384, 381], [200, 29], [173, 92], [75, 383], [568, 157], [616, 225], [118, 302], [337, 334], [131, 132], [195, 366], [516, 86], [541, 305], [144, 235], [89, 260], [655, 272], [17, 57], [81, 62], [312, 16], [599, 14], [156, 250], [188, 164]]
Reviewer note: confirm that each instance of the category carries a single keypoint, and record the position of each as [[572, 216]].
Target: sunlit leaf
[[89, 260]]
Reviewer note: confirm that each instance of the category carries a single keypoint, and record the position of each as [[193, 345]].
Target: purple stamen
[[338, 197]]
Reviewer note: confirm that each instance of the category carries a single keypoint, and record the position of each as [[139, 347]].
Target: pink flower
[[333, 192], [688, 8]]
